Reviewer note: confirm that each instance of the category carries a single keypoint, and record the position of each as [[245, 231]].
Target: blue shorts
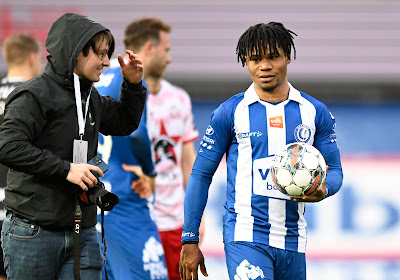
[[134, 251], [247, 260]]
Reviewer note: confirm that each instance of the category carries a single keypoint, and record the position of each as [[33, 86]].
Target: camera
[[98, 194], [104, 199]]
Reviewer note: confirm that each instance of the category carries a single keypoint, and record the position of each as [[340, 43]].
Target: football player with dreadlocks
[[264, 230]]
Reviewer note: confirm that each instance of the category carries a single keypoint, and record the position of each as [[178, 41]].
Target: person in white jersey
[[171, 132], [264, 230]]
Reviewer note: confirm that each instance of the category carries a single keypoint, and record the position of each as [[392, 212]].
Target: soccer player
[[171, 130], [22, 55], [264, 231], [134, 249]]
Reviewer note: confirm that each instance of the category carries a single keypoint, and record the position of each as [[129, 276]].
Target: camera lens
[[97, 160]]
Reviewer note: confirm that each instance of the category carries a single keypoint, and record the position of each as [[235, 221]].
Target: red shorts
[[171, 241]]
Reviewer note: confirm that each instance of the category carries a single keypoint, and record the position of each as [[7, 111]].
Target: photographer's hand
[[144, 186], [80, 174], [132, 68]]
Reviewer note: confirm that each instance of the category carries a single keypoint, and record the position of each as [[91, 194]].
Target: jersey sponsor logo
[[153, 253], [210, 130], [276, 122], [302, 133], [262, 179], [248, 134], [247, 271], [205, 145], [207, 142], [164, 150], [188, 234]]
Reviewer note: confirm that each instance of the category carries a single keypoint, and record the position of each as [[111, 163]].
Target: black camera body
[[98, 194], [104, 199]]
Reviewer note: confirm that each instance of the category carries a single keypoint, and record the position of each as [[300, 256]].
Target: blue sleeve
[[196, 197], [325, 135], [334, 177], [325, 142], [214, 144]]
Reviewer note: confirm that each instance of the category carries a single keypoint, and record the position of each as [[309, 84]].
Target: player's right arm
[[213, 146], [195, 202], [191, 258]]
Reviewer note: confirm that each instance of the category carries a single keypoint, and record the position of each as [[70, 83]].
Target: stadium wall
[[346, 50]]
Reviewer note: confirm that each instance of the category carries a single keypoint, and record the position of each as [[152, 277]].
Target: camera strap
[[103, 239], [77, 240]]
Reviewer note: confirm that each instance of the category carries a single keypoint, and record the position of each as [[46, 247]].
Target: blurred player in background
[[23, 58], [264, 230], [134, 249], [171, 130]]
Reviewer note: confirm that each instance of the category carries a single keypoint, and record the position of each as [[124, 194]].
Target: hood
[[66, 39]]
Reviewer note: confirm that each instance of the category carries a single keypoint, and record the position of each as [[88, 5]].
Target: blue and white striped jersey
[[250, 131]]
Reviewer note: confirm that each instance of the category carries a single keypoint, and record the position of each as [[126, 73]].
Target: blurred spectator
[[171, 130], [131, 166], [23, 58]]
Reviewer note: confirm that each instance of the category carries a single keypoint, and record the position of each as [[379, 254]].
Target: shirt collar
[[251, 96]]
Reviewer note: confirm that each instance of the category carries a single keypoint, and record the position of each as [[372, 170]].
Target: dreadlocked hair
[[256, 39]]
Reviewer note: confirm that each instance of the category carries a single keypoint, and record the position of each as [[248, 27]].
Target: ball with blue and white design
[[298, 169]]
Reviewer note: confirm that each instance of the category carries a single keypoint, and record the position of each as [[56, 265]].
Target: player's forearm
[[195, 203], [196, 197], [334, 178]]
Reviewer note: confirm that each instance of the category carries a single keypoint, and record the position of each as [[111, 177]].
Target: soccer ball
[[298, 169]]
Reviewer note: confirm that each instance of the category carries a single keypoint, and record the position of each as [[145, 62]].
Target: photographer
[[50, 129]]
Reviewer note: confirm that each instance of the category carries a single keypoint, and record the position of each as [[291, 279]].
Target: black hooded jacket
[[40, 125]]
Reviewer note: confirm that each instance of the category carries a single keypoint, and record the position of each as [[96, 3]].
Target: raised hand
[[132, 67]]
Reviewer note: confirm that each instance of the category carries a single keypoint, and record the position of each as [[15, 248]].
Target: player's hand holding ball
[[299, 170]]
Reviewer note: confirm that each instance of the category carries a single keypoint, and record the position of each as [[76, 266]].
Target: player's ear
[[288, 60], [148, 47], [31, 59]]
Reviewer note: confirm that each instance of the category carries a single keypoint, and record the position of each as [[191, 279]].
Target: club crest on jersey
[[210, 130], [302, 133]]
